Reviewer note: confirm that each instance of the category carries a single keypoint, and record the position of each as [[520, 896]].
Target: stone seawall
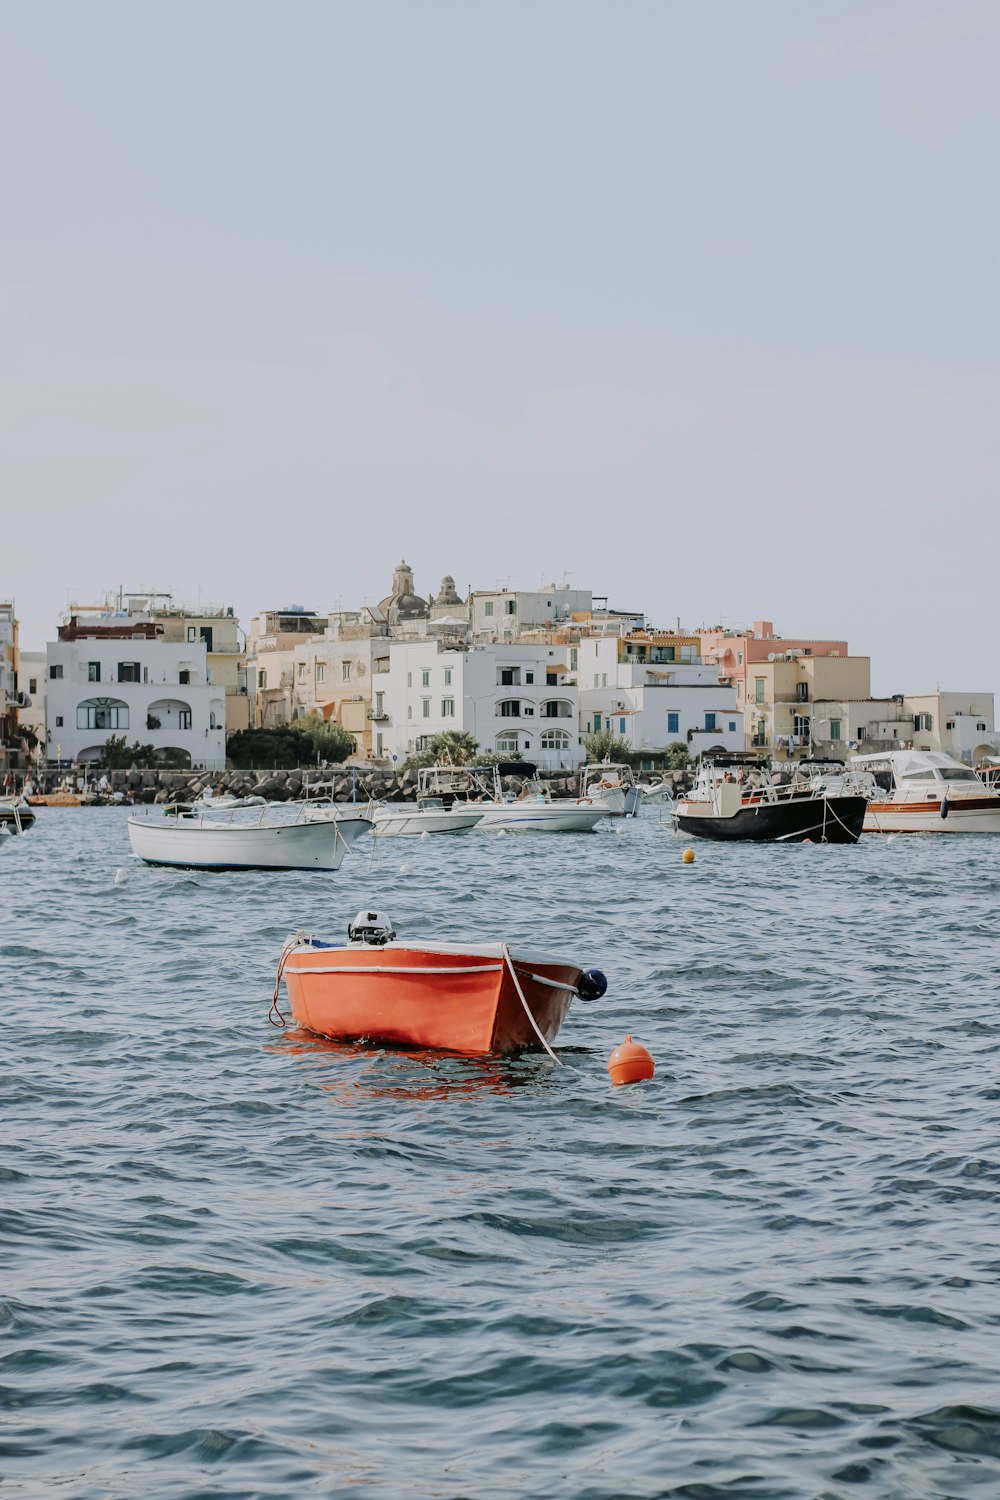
[[286, 786]]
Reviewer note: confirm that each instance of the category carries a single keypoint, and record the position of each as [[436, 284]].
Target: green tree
[[454, 747], [678, 758], [328, 742], [603, 744]]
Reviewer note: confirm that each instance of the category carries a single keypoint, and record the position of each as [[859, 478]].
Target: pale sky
[[693, 304]]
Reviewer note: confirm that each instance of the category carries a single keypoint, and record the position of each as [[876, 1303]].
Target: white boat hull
[[543, 817], [888, 817], [410, 822], [204, 845]]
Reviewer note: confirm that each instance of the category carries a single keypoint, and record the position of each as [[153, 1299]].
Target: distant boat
[[473, 998], [736, 798], [533, 810], [926, 791], [612, 786], [16, 814], [273, 840], [425, 815]]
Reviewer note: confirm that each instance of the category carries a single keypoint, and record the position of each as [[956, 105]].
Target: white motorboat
[[480, 789], [425, 815], [611, 786], [926, 791], [536, 812], [16, 813], [279, 837]]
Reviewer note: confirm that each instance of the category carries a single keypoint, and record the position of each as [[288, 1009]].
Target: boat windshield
[[957, 773]]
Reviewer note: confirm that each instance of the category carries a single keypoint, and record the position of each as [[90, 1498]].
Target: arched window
[[102, 713], [555, 739], [557, 708], [507, 742]]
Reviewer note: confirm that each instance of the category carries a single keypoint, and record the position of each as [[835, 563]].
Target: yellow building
[[781, 694]]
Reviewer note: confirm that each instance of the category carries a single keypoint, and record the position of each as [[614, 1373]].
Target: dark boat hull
[[829, 820]]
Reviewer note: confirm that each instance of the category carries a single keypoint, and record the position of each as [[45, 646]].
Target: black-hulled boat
[[737, 797]]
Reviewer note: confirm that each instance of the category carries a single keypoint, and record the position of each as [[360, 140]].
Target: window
[[802, 692], [447, 677], [739, 658], [528, 710], [345, 672], [102, 713], [128, 671], [32, 684], [597, 722], [510, 708], [862, 733], [732, 726], [192, 633], [574, 656], [93, 671], [923, 722], [981, 728], [409, 679], [302, 669], [555, 739], [621, 726], [506, 743], [183, 718], [59, 722], [509, 677], [529, 677], [426, 708], [205, 633], [552, 679], [54, 672], [184, 677], [447, 708], [510, 606], [379, 704], [262, 679], [319, 671], [709, 721], [673, 723], [835, 729], [409, 710], [212, 722], [800, 725], [425, 679], [488, 611], [759, 684]]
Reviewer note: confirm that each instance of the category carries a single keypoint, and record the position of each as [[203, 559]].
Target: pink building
[[736, 650]]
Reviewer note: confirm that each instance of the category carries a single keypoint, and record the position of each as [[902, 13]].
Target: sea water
[[240, 1262]]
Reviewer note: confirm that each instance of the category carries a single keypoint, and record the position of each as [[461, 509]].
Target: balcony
[[378, 716]]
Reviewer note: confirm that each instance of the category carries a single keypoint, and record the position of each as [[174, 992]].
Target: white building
[[655, 703], [959, 724], [509, 697], [504, 614], [107, 678]]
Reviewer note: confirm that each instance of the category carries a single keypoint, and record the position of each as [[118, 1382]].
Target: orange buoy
[[687, 857], [630, 1063]]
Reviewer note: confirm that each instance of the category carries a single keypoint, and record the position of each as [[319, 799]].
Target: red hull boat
[[475, 999]]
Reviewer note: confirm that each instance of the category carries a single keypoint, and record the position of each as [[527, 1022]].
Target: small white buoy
[[121, 875], [424, 836]]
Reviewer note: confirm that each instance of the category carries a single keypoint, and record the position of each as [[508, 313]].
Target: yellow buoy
[[688, 857]]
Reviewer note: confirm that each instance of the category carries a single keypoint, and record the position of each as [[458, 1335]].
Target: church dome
[[447, 593], [403, 604]]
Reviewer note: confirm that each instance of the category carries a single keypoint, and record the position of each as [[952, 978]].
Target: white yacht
[[533, 810], [926, 791], [425, 815], [612, 786]]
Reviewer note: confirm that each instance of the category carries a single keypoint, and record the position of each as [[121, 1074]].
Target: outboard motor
[[372, 927]]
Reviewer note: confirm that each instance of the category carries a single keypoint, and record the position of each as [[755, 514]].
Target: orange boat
[[471, 998]]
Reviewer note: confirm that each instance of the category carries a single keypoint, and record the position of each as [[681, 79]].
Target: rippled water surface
[[237, 1262]]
